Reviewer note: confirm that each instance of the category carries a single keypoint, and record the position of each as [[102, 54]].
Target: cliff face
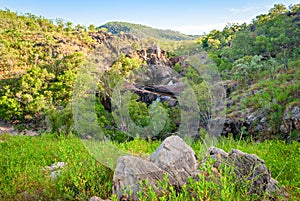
[[158, 80]]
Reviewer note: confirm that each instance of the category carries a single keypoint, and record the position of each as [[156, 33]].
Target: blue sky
[[189, 16]]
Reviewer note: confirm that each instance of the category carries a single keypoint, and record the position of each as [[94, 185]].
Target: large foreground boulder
[[130, 171], [175, 159], [248, 169]]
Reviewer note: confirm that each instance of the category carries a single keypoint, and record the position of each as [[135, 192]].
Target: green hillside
[[117, 27], [40, 60]]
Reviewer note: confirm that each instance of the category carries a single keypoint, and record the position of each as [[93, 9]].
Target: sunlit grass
[[23, 158]]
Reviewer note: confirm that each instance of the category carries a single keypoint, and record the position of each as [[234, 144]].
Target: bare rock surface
[[291, 121], [95, 198], [130, 171], [178, 161], [173, 158], [177, 158], [248, 168]]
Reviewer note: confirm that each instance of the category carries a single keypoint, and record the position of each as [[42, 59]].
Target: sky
[[193, 17]]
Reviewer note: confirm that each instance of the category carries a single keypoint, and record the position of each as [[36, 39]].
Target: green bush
[[177, 68]]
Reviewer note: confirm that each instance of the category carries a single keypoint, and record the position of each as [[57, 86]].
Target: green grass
[[22, 159]]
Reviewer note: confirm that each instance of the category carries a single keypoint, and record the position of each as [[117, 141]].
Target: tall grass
[[23, 175]]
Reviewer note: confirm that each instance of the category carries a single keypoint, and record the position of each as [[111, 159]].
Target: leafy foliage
[[263, 57], [273, 35]]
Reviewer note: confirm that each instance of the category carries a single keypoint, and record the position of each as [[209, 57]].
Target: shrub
[[177, 68]]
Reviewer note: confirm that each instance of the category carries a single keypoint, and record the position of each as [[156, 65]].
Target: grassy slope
[[117, 27], [23, 158]]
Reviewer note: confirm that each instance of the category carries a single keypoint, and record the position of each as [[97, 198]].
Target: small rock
[[55, 166], [55, 169], [30, 133], [54, 174], [95, 198]]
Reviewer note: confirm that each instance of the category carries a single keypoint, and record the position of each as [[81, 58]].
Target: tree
[[68, 26], [91, 27]]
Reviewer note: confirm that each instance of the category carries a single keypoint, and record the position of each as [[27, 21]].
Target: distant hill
[[142, 30]]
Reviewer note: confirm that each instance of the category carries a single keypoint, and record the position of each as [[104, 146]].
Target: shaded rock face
[[157, 81], [291, 120], [177, 160], [250, 167], [247, 123], [162, 93], [154, 56], [230, 86]]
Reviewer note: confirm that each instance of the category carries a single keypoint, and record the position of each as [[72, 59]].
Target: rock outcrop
[[244, 122], [157, 80], [248, 168], [176, 158], [154, 55], [291, 121], [178, 161], [101, 36], [173, 158]]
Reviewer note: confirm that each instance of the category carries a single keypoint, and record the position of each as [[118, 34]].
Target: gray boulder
[[248, 168], [178, 161], [173, 158], [95, 198], [177, 158], [219, 155], [131, 171]]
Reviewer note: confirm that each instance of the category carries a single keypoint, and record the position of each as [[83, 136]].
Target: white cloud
[[242, 10], [200, 29]]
